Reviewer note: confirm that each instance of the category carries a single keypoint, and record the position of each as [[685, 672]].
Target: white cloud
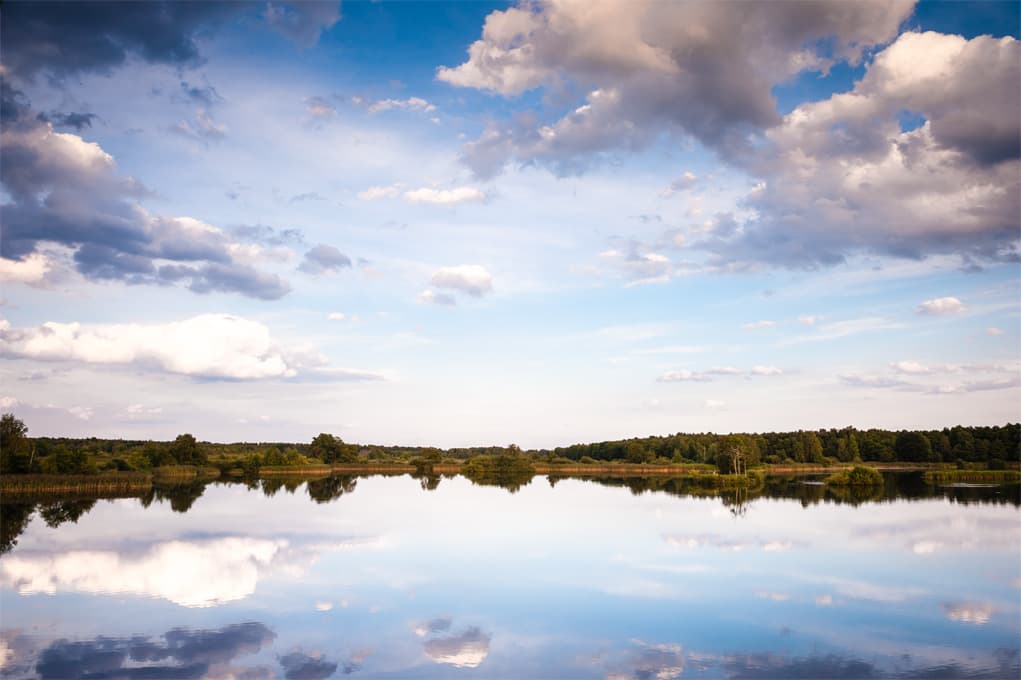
[[941, 306], [471, 279], [702, 69], [410, 104], [466, 650], [454, 196], [199, 573], [428, 297], [336, 316], [714, 403], [682, 183], [8, 402], [209, 345], [994, 331], [82, 412], [766, 370], [845, 178], [140, 411], [808, 320], [374, 193], [756, 325], [638, 268], [32, 269], [910, 367], [683, 376]]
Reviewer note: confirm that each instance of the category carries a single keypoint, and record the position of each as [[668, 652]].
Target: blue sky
[[472, 223]]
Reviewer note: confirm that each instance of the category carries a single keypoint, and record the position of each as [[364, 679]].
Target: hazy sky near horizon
[[541, 223]]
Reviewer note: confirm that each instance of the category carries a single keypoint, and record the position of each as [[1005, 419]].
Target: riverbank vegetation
[[963, 448], [858, 476]]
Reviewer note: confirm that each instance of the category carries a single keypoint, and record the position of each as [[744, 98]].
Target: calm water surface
[[387, 577]]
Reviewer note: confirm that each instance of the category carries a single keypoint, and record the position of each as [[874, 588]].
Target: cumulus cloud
[[428, 297], [64, 190], [209, 345], [324, 259], [638, 267], [702, 69], [454, 196], [375, 193], [298, 665], [218, 570], [471, 279], [302, 22], [428, 195], [33, 269], [845, 177], [684, 376], [682, 183], [910, 367], [179, 653], [71, 39], [410, 104], [941, 306], [465, 650], [724, 371]]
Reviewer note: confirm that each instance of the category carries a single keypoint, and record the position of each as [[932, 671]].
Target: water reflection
[[178, 653], [190, 573], [466, 649], [404, 577]]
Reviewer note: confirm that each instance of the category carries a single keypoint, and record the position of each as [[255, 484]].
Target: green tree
[[186, 451], [330, 449], [15, 448], [913, 446]]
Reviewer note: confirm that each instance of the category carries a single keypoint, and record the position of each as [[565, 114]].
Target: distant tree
[[186, 451], [637, 453], [330, 449], [15, 448], [913, 447]]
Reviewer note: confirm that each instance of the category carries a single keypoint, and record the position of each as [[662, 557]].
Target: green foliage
[[510, 469], [913, 447], [330, 449], [858, 476], [15, 448], [186, 451]]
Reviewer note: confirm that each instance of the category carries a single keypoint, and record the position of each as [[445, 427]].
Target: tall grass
[[977, 476], [107, 482]]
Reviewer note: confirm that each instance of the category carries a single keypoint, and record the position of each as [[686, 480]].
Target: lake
[[405, 578]]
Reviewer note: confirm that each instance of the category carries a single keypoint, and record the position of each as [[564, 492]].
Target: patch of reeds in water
[[101, 484], [974, 476]]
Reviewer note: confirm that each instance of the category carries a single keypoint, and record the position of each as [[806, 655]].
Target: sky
[[544, 223]]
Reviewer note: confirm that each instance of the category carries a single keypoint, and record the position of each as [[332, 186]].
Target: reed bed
[[975, 476], [104, 483]]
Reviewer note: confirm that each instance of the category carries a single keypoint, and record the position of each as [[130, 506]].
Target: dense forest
[[994, 447]]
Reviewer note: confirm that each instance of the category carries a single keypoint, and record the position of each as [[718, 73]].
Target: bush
[[859, 476]]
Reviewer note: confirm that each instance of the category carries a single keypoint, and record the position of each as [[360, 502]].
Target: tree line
[[993, 447]]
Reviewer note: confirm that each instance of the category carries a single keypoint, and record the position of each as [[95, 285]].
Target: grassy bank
[[974, 476], [295, 470], [629, 469], [101, 484]]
